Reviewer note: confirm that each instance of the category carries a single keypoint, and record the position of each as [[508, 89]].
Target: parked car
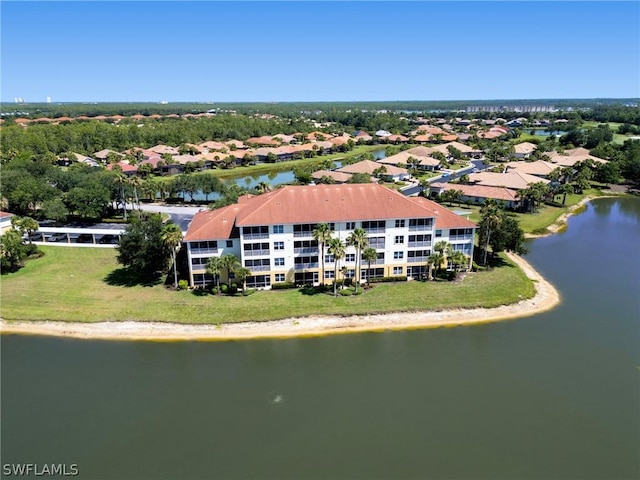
[[113, 239], [57, 237], [85, 238]]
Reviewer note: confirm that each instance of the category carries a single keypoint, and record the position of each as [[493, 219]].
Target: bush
[[249, 291], [214, 290], [345, 293], [224, 288], [233, 289], [388, 279], [282, 285], [183, 285]]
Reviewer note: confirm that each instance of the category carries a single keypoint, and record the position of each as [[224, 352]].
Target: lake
[[555, 395]]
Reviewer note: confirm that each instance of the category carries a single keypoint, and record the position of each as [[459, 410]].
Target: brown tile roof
[[339, 177], [316, 204], [525, 148], [539, 167], [480, 191], [213, 224], [514, 180]]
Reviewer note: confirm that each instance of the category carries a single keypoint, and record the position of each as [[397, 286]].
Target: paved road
[[181, 216]]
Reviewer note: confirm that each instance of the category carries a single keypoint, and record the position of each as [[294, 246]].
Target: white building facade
[[272, 234]]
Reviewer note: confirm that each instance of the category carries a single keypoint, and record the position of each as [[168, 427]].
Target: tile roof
[[525, 148], [539, 167], [480, 191], [317, 204], [339, 177], [512, 180], [368, 166]]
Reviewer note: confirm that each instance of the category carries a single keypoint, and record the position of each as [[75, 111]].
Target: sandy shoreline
[[546, 298]]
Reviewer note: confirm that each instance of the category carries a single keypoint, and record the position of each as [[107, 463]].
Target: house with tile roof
[[272, 234], [513, 180], [524, 149], [369, 167], [478, 194]]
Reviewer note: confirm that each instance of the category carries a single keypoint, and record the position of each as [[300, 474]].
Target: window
[[256, 249], [329, 259], [351, 225], [398, 239], [258, 264], [373, 273], [350, 257], [374, 226], [278, 262], [398, 255], [304, 230], [329, 274], [229, 243], [420, 222], [278, 229], [259, 281], [211, 246], [279, 277], [256, 232], [278, 245], [399, 223], [376, 242], [350, 273], [397, 270], [438, 233]]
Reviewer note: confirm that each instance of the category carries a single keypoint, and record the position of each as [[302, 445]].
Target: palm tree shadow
[[124, 277]]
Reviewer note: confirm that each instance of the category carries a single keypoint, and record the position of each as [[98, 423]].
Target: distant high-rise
[[48, 99]]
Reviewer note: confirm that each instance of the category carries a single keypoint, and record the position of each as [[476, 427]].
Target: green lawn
[[70, 284]]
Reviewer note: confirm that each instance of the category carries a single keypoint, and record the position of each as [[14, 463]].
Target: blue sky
[[318, 51]]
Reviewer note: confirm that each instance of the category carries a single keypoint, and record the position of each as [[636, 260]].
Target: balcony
[[254, 236], [420, 228], [377, 245], [375, 230], [255, 253], [417, 259], [260, 268], [306, 250], [460, 237], [419, 244], [199, 251], [304, 266], [303, 234]]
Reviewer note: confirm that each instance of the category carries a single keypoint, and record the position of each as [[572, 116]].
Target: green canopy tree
[[142, 248]]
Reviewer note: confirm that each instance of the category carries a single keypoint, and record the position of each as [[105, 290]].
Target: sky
[[104, 51]]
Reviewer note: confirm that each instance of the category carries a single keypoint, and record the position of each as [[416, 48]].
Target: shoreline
[[546, 298]]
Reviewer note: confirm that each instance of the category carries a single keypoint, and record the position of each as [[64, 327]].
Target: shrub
[[183, 285], [224, 288], [388, 279], [214, 290], [283, 285], [345, 293], [249, 291], [233, 289]]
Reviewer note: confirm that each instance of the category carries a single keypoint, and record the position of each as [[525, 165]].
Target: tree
[[141, 247], [145, 170], [358, 239], [135, 183], [230, 263], [242, 273], [441, 251], [27, 225], [172, 238], [121, 181], [337, 249], [12, 251], [458, 259], [359, 178], [55, 209], [370, 255], [215, 267], [322, 234], [491, 218]]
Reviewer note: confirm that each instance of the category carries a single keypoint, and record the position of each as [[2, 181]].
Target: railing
[[419, 244], [460, 237], [375, 230], [377, 245], [260, 268], [302, 266], [254, 236], [303, 234], [197, 251], [420, 228], [417, 259], [199, 266], [255, 253], [305, 250]]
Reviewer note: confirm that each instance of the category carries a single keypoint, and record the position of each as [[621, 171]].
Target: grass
[[86, 285]]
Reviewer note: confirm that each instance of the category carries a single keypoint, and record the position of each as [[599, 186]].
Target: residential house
[[478, 193], [524, 149], [369, 167], [512, 180]]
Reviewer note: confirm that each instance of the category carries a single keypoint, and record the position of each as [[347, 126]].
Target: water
[[551, 396], [546, 133]]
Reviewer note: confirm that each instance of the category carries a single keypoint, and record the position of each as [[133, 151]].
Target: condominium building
[[272, 234]]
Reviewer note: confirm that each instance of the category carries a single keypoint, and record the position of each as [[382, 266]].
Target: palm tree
[[172, 237], [337, 249], [564, 190], [358, 238], [230, 263], [458, 259], [135, 183], [242, 273], [442, 250], [370, 255], [121, 180], [322, 234], [215, 267], [491, 218]]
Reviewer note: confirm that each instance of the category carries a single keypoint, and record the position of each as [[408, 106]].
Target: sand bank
[[546, 297]]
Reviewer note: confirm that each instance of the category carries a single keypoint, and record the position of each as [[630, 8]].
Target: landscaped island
[[72, 291]]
